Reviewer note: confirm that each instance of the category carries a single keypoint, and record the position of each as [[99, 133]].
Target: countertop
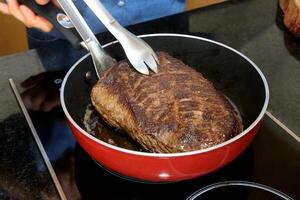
[[253, 27]]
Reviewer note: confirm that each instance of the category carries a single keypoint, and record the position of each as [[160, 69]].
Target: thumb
[[42, 2]]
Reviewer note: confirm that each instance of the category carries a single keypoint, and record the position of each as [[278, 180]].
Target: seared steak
[[174, 110]]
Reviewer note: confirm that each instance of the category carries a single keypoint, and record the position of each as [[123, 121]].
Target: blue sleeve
[[129, 12]]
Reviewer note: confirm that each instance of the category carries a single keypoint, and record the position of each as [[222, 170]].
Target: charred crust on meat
[[174, 110]]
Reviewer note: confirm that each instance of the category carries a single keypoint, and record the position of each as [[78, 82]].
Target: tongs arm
[[138, 52], [101, 60]]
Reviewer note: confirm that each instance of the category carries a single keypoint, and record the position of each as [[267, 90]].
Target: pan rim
[[166, 155]]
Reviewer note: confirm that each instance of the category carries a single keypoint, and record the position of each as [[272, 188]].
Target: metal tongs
[[138, 52], [102, 61]]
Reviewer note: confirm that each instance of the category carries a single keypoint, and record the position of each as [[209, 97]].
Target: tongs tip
[[143, 70], [151, 62]]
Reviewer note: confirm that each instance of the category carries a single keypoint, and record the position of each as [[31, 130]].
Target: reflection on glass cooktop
[[95, 181]]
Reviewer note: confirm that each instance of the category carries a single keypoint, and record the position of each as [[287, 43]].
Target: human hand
[[26, 15]]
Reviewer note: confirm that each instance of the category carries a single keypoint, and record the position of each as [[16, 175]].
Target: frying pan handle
[[58, 18]]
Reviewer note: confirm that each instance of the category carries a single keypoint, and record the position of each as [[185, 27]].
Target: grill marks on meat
[[174, 110]]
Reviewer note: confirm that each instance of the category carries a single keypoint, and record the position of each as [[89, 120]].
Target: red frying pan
[[231, 72]]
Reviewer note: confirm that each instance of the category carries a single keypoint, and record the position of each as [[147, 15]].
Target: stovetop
[[272, 160], [264, 162]]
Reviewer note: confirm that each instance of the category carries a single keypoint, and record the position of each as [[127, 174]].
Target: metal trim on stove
[[238, 183], [37, 140]]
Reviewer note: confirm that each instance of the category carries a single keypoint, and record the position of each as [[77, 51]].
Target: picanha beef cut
[[174, 110]]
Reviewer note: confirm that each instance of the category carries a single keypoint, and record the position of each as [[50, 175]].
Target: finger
[[33, 20], [4, 8], [42, 2], [28, 15], [34, 97], [14, 9], [28, 94], [27, 97], [38, 99], [34, 80], [44, 24]]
